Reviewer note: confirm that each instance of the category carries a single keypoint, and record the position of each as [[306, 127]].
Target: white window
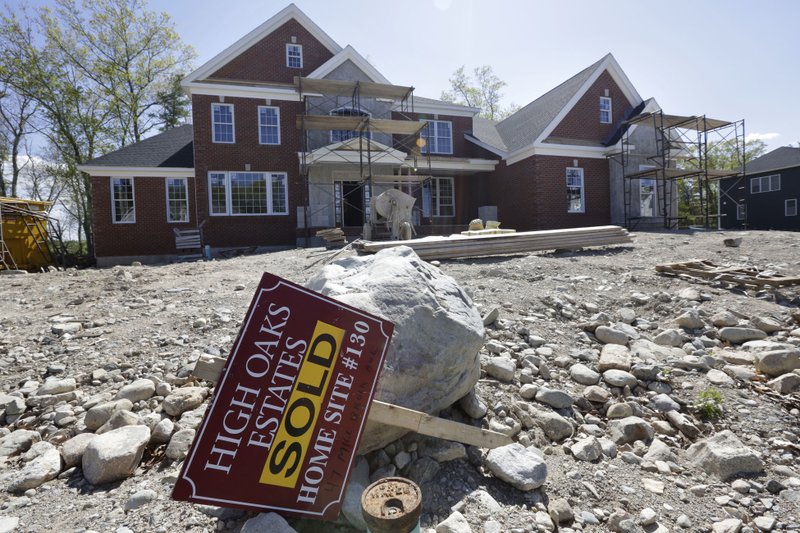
[[647, 198], [790, 207], [222, 123], [438, 198], [438, 137], [269, 125], [765, 184], [294, 55], [177, 200], [248, 193], [741, 211], [343, 135], [123, 209], [575, 198], [605, 110]]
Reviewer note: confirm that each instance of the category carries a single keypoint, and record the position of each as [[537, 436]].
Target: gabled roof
[[780, 158], [282, 17], [170, 149], [485, 131], [349, 54]]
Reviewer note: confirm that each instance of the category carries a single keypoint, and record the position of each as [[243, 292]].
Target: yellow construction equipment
[[24, 243]]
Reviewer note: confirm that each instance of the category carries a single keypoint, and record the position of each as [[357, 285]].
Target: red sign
[[288, 413]]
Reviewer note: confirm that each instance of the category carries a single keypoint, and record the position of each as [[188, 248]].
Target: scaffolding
[[681, 151], [24, 237], [369, 132]]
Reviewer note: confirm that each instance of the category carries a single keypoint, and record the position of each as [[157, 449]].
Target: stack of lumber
[[334, 237], [739, 275], [456, 246]]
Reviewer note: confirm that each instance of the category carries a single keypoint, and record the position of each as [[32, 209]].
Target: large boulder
[[724, 456], [432, 360], [522, 468], [114, 455], [777, 362]]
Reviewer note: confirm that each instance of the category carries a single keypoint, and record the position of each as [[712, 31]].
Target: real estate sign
[[288, 412]]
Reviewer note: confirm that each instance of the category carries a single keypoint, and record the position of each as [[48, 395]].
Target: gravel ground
[[155, 321]]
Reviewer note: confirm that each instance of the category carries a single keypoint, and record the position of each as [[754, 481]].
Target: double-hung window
[[790, 207], [439, 198], [248, 193], [222, 123], [177, 200], [605, 110], [438, 136], [294, 55], [765, 184], [123, 208], [575, 196], [269, 125]]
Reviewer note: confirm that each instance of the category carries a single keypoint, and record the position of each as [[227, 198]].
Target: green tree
[[173, 105], [482, 89]]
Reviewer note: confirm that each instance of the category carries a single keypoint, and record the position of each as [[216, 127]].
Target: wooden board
[[381, 125], [743, 275], [210, 368]]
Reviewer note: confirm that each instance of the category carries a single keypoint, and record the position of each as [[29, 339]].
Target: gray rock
[[455, 523], [501, 368], [724, 456], [786, 383], [766, 324], [184, 399], [351, 505], [555, 426], [100, 414], [141, 389], [473, 405], [433, 359], [140, 498], [630, 429], [560, 511], [647, 517], [724, 319], [17, 441], [683, 424], [585, 375], [619, 410], [659, 451], [614, 356], [56, 386], [588, 449], [669, 337], [490, 317], [13, 405], [718, 377], [114, 455], [690, 320], [528, 391], [162, 431], [272, 522], [9, 523], [44, 465], [423, 470], [554, 398], [777, 362], [689, 293], [765, 523], [521, 467], [619, 378], [664, 403], [442, 451], [596, 394], [609, 335], [72, 450], [179, 444], [730, 525], [119, 419], [737, 335]]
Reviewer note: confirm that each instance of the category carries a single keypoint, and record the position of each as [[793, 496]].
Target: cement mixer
[[395, 208]]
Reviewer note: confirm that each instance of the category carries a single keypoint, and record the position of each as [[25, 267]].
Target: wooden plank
[[347, 88], [209, 368], [383, 125]]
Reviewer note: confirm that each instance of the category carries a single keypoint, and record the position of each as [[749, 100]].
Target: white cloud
[[761, 136]]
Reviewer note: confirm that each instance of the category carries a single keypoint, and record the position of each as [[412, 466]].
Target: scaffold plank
[[348, 88]]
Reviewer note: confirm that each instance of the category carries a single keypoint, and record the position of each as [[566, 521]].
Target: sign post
[[288, 412]]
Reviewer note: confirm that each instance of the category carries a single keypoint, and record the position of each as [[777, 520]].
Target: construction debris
[[334, 237], [743, 275], [478, 244]]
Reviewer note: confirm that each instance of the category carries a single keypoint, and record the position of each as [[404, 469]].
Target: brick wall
[[550, 193], [209, 156], [265, 61], [151, 234], [583, 120]]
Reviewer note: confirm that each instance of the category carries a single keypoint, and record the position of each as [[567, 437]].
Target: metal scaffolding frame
[[682, 145], [404, 153], [36, 225]]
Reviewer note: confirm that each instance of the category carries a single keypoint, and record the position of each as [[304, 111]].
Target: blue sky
[[727, 59]]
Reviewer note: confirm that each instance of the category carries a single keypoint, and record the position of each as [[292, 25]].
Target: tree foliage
[[101, 74], [481, 89]]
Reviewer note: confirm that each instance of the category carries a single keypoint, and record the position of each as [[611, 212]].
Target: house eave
[[485, 146], [242, 91], [559, 150], [138, 172], [445, 109], [351, 54]]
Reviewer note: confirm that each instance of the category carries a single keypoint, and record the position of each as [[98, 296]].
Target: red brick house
[[292, 133]]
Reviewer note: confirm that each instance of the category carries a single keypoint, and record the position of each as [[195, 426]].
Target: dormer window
[[605, 110], [294, 55]]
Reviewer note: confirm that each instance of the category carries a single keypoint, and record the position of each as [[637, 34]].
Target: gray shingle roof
[[523, 127], [170, 149], [485, 130], [783, 157]]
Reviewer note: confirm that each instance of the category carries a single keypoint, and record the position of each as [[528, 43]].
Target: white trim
[[242, 91], [427, 148], [436, 206], [268, 174], [300, 48], [114, 220], [139, 172], [279, 19], [562, 150], [166, 194], [768, 177], [610, 110], [258, 120], [475, 165], [445, 108], [617, 74], [786, 207], [349, 53], [489, 147], [233, 123], [583, 190]]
